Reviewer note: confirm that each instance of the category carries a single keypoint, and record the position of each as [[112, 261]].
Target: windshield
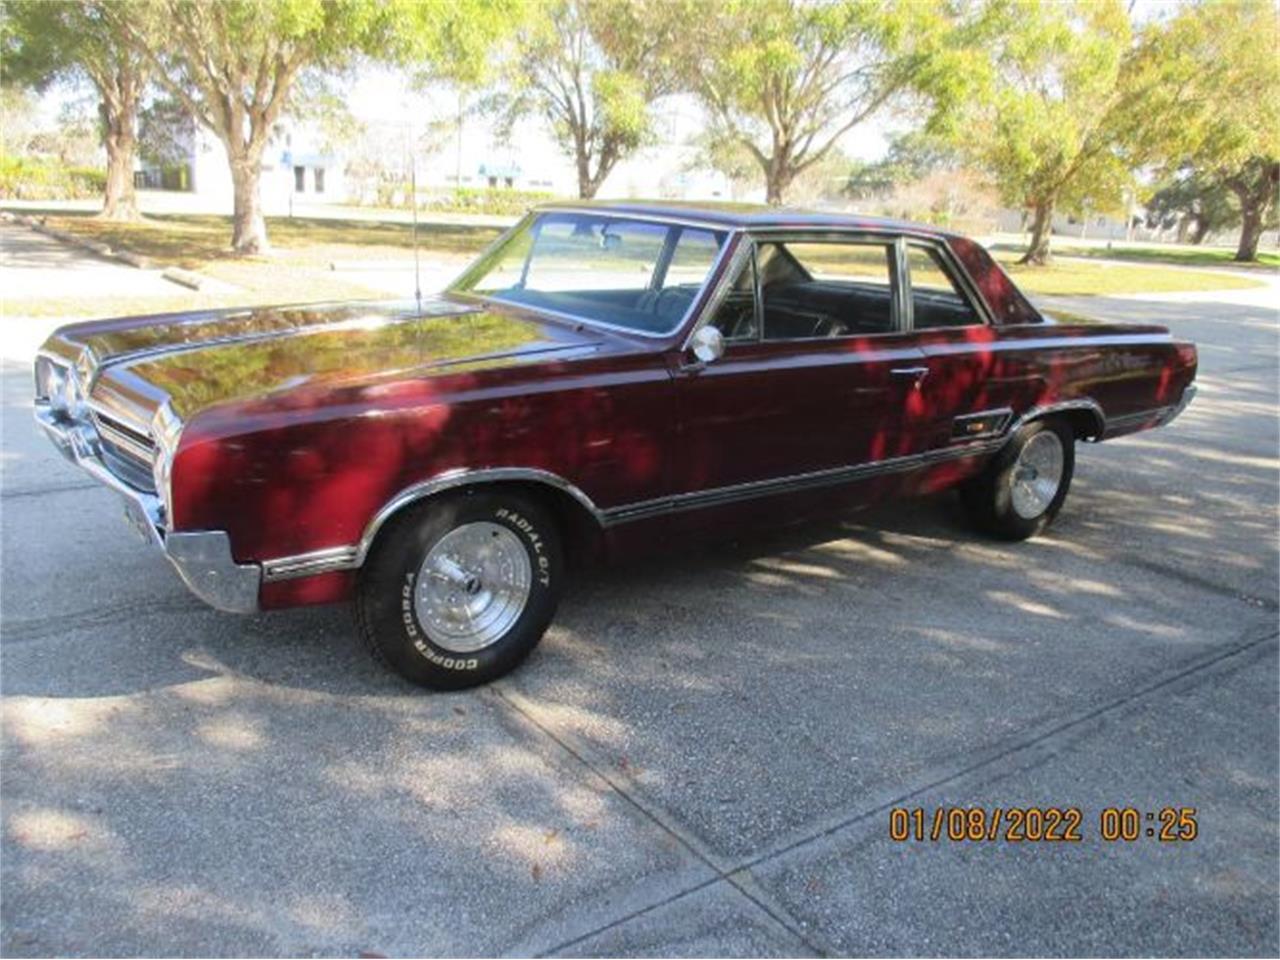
[[600, 268]]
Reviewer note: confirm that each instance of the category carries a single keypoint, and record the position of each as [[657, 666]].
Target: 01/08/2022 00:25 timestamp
[[1041, 824]]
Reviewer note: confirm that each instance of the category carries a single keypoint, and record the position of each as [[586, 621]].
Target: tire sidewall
[[391, 579], [1007, 519]]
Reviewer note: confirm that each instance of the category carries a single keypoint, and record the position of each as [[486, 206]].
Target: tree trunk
[[119, 112], [777, 178], [1202, 230], [1041, 232], [1250, 234], [120, 201], [587, 185], [248, 228]]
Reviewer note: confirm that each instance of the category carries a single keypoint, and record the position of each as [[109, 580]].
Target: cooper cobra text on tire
[[459, 589], [1023, 488]]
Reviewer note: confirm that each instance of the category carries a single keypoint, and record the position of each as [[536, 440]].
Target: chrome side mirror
[[707, 344]]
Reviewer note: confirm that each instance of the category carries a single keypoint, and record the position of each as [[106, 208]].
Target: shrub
[[489, 200], [28, 178]]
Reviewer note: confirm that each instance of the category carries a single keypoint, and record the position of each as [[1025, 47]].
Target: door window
[[936, 299], [826, 289]]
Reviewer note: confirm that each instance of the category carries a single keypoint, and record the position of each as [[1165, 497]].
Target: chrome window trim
[[729, 234], [754, 235], [952, 265]]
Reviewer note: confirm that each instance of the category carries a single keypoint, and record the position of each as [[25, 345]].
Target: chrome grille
[[128, 452]]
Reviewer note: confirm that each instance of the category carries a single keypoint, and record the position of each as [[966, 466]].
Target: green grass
[[1173, 256], [297, 270], [1074, 278]]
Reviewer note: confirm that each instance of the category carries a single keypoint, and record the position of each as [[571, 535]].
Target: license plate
[[137, 519]]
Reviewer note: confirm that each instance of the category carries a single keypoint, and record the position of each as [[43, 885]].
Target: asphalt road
[[702, 756]]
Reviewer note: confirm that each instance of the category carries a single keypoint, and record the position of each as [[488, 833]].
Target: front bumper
[[202, 557]]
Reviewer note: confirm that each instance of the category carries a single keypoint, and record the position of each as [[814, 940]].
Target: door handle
[[917, 374]]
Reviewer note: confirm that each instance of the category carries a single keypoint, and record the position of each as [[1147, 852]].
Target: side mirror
[[707, 344]]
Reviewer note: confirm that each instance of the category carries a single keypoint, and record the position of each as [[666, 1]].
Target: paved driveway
[[701, 757]]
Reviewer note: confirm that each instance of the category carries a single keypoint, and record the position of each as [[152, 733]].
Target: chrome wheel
[[1037, 474], [472, 586]]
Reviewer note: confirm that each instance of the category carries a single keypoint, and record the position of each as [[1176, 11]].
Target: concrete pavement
[[701, 757]]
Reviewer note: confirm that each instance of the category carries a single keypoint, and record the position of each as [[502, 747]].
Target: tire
[[483, 604], [1007, 502]]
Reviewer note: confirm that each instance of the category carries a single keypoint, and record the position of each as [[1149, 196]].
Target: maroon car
[[603, 378]]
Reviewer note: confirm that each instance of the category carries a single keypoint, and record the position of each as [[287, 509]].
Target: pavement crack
[[40, 628], [723, 872], [49, 491], [1004, 753]]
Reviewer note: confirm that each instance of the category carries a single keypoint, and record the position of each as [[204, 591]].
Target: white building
[[294, 167]]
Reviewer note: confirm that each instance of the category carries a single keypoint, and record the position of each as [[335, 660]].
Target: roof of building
[[743, 215]]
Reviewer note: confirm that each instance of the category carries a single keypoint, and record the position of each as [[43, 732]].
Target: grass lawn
[[298, 269], [1183, 256], [1081, 278]]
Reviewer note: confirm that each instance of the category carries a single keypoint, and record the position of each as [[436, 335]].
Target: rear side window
[[815, 290], [936, 299]]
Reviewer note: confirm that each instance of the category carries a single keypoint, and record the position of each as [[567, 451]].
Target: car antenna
[[413, 202]]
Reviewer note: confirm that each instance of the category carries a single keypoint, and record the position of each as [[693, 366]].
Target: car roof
[[742, 215]]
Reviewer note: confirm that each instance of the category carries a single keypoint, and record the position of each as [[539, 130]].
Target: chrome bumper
[[1188, 394], [201, 557]]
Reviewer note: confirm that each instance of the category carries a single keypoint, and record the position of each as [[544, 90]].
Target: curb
[[185, 278], [105, 250]]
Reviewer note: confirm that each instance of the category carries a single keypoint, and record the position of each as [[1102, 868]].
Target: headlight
[[50, 381]]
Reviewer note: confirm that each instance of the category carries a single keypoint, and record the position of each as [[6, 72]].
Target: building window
[[319, 175], [493, 182], [509, 182], [299, 179]]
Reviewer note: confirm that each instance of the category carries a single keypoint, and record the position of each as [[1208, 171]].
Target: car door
[[977, 379], [818, 378]]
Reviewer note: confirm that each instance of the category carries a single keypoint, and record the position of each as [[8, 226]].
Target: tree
[[234, 64], [592, 69], [788, 79], [1231, 127], [45, 43], [1195, 203], [1068, 107]]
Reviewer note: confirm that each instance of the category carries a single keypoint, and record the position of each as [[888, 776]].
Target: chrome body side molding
[[352, 556]]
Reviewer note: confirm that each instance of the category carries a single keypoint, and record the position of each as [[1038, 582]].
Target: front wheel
[[460, 589], [1023, 488]]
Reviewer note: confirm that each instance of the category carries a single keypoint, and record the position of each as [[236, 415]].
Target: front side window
[[634, 274], [936, 299], [827, 289]]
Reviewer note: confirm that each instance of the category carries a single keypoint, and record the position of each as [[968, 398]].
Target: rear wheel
[[461, 588], [1024, 486]]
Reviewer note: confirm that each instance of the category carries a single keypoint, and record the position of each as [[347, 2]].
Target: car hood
[[199, 360]]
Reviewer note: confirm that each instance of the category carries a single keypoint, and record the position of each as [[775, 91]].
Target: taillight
[[1187, 357]]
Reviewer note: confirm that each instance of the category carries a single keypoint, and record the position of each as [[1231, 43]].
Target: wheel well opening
[[582, 533], [1085, 424]]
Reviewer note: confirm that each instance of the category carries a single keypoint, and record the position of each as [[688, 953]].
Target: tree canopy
[[1063, 112], [43, 43], [592, 69], [1224, 56], [788, 79]]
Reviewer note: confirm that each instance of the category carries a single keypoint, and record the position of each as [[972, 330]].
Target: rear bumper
[[202, 557]]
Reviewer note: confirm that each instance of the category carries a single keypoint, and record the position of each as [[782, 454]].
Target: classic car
[[603, 379]]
